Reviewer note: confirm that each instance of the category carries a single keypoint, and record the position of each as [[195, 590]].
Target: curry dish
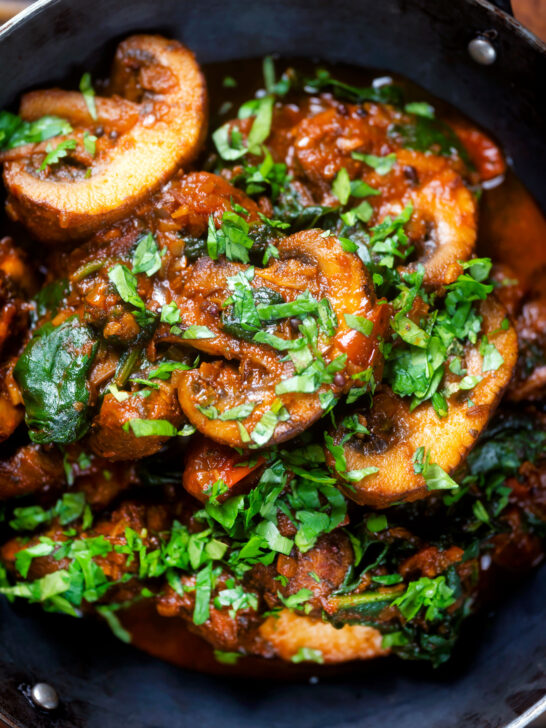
[[275, 391]]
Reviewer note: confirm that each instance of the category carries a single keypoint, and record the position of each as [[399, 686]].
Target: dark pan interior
[[500, 669]]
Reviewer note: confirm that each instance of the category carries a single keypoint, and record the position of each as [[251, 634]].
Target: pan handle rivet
[[44, 696], [482, 51]]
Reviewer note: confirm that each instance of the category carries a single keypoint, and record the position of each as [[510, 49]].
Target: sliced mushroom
[[158, 127], [113, 113], [308, 261], [288, 633], [318, 138], [443, 227], [397, 433]]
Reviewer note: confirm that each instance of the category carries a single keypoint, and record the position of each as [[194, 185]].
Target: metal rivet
[[44, 696], [482, 51]]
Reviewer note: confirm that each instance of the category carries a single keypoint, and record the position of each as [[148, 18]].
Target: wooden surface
[[532, 13]]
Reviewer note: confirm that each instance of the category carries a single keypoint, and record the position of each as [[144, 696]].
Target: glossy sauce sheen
[[512, 231]]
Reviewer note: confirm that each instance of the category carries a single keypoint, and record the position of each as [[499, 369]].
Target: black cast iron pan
[[498, 676]]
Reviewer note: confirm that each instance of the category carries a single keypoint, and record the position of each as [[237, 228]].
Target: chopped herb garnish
[[307, 654], [55, 154], [14, 132], [198, 332], [435, 477], [359, 323], [382, 165], [146, 258], [89, 95], [90, 143]]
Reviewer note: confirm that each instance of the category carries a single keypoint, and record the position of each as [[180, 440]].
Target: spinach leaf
[[49, 297], [430, 134], [323, 81], [194, 248], [52, 373], [241, 318]]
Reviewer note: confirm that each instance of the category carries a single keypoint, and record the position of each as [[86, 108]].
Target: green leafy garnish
[[146, 258], [151, 428], [89, 95], [307, 654], [435, 477], [385, 94], [420, 108], [68, 508], [231, 239], [198, 332], [90, 143], [54, 155], [433, 595], [382, 165], [125, 284], [14, 132], [359, 323], [342, 186]]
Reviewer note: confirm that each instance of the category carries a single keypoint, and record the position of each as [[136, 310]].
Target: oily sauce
[[512, 231]]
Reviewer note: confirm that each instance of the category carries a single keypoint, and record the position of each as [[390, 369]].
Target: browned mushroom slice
[[397, 433], [234, 402], [328, 137], [444, 216], [113, 113], [159, 126], [288, 633]]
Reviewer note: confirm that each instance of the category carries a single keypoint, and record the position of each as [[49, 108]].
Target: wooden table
[[532, 13]]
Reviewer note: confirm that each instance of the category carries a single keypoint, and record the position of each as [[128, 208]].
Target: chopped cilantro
[[14, 132], [198, 332], [492, 358], [146, 258], [420, 108], [435, 477], [382, 165], [55, 154], [342, 186], [90, 143], [359, 323], [433, 595], [88, 92], [308, 654]]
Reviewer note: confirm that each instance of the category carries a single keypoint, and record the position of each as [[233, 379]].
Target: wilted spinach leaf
[[195, 248], [430, 134], [52, 372], [301, 217], [49, 297], [237, 322], [323, 81]]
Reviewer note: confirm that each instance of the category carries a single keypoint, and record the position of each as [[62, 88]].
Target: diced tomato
[[209, 462], [361, 350]]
